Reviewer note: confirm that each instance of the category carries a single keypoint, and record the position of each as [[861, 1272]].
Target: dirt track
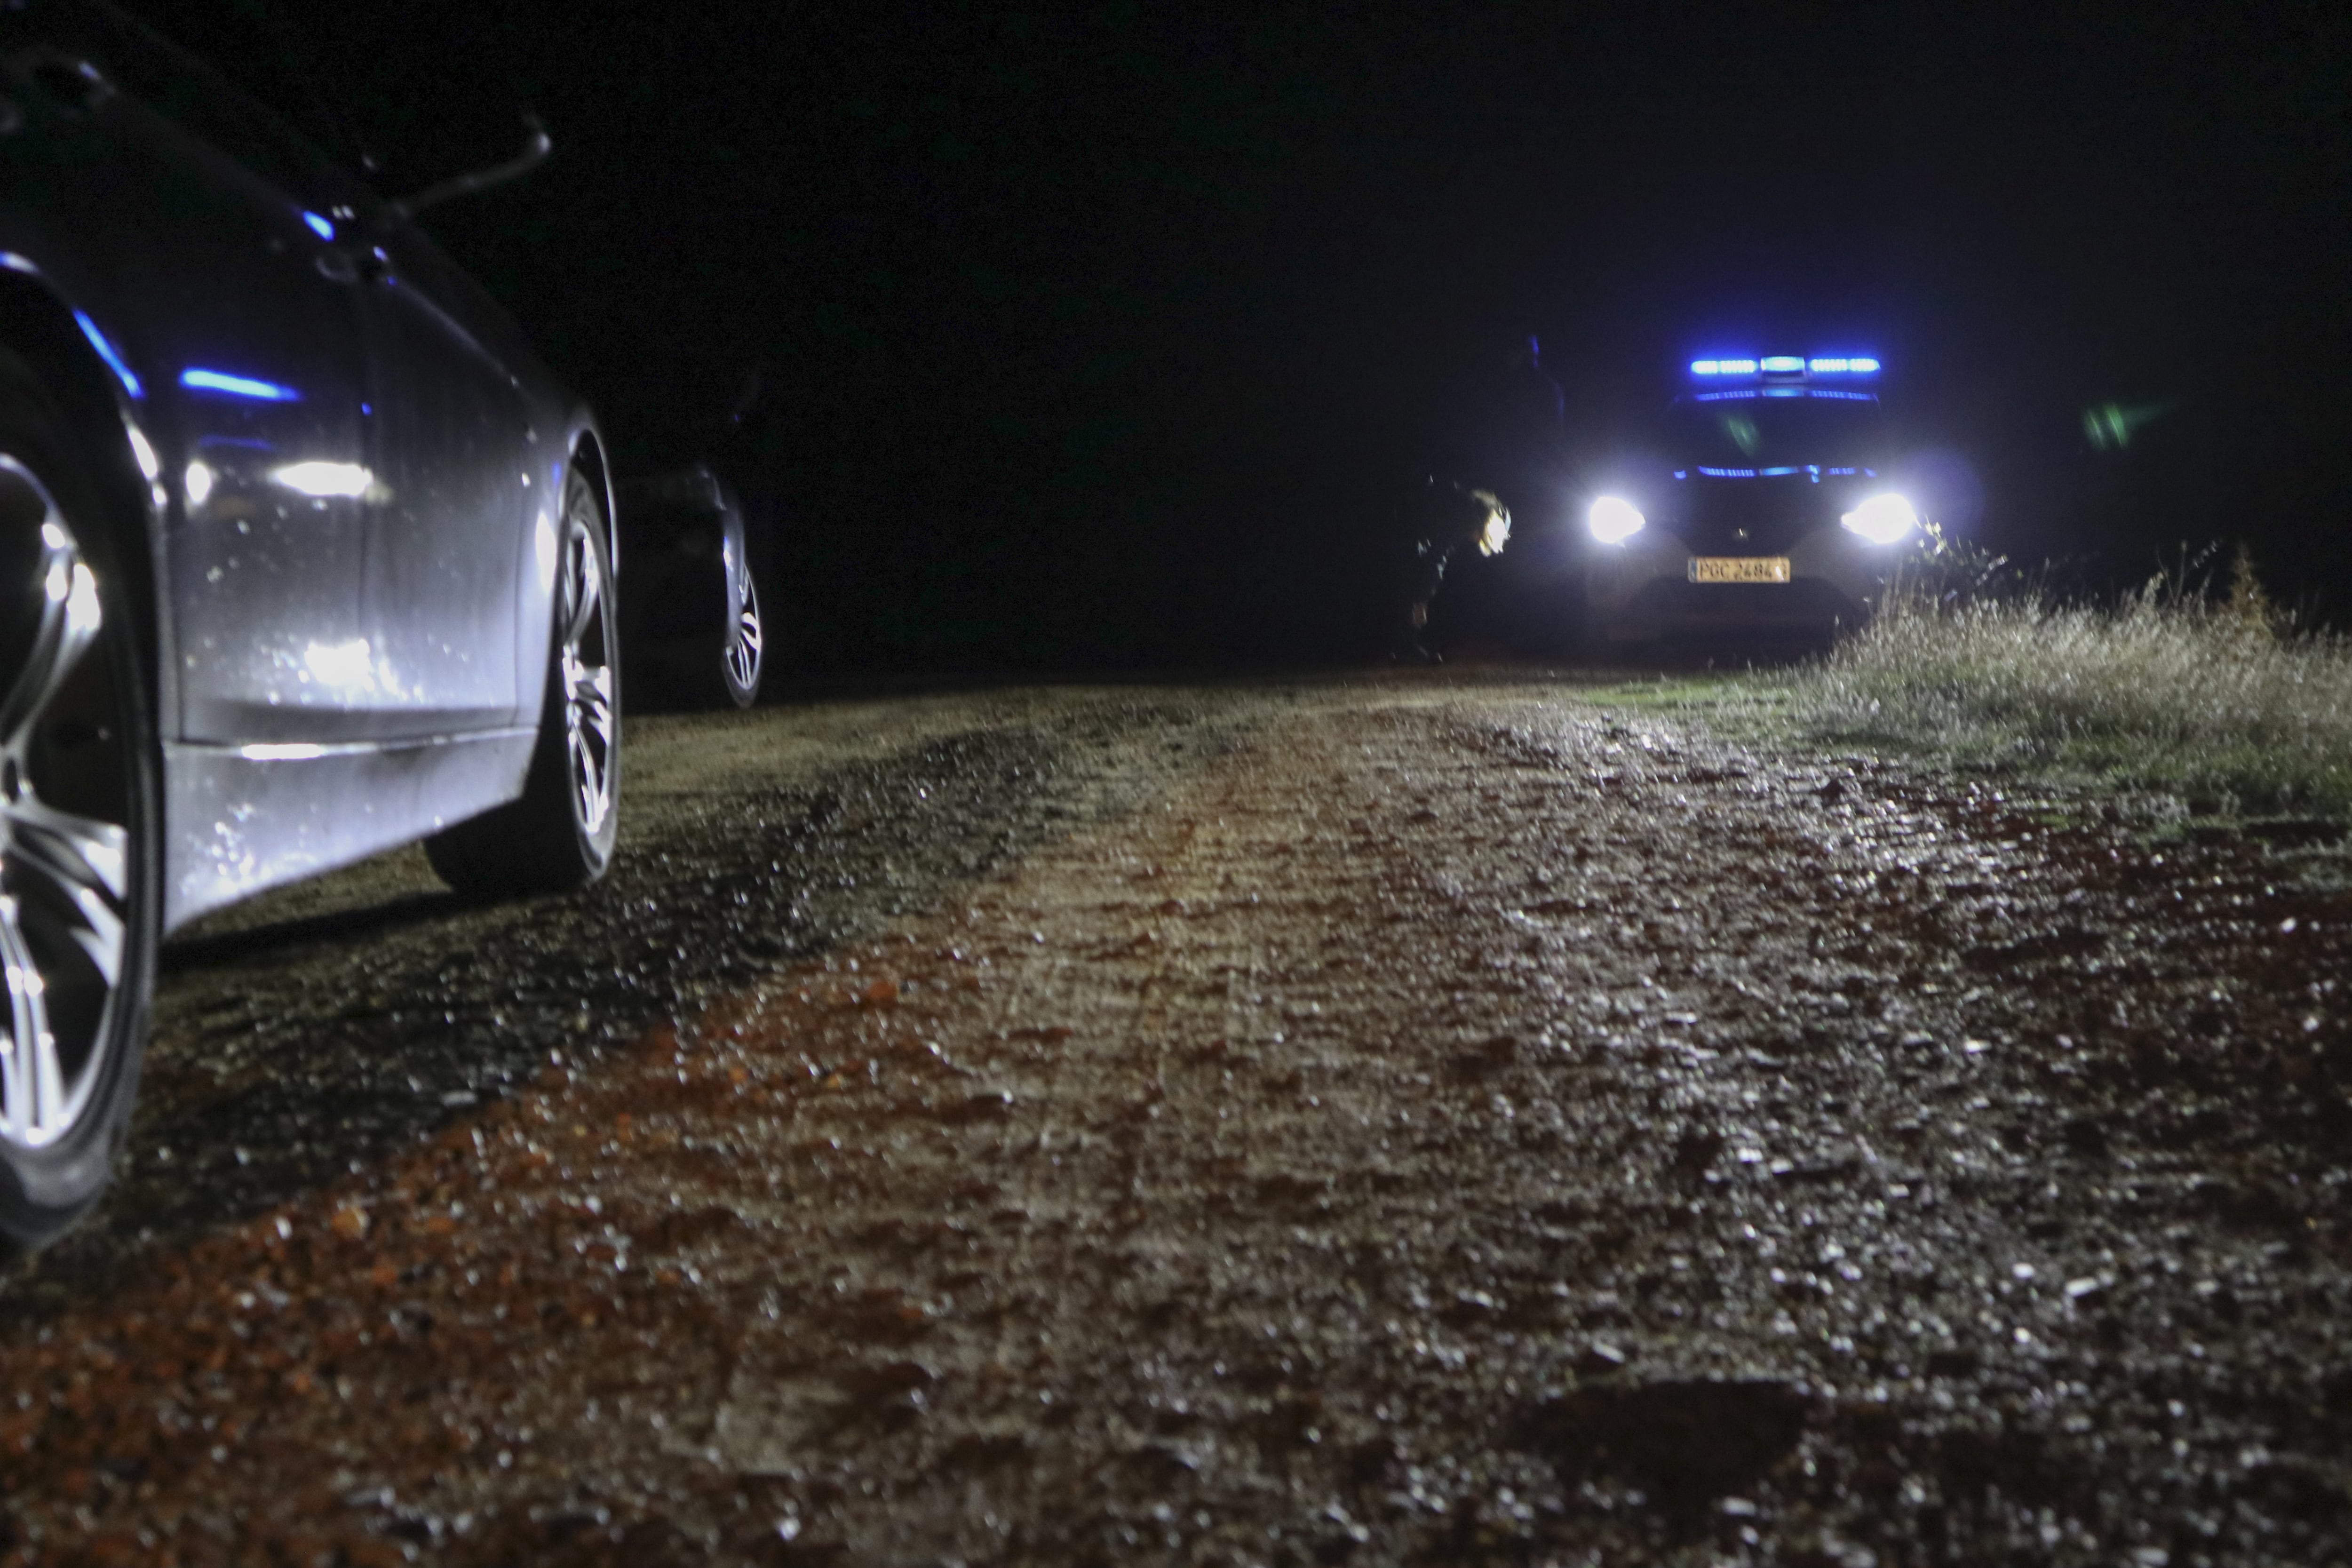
[[1426, 1120]]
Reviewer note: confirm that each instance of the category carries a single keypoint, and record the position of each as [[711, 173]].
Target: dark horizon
[[1103, 340]]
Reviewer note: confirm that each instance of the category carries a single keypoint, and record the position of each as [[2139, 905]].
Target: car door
[[229, 276], [449, 532]]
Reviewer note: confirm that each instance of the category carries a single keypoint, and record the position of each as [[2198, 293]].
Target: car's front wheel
[[81, 856], [560, 833]]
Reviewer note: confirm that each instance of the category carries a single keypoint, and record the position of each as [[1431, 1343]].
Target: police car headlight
[[1882, 519], [1614, 519]]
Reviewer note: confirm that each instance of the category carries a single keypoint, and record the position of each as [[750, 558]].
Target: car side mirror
[[536, 147]]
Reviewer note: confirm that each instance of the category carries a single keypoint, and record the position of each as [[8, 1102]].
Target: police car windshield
[[1775, 427]]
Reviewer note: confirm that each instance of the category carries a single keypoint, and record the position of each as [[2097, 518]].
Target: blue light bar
[[196, 380], [1750, 393], [320, 226], [1786, 364], [111, 355], [1814, 470]]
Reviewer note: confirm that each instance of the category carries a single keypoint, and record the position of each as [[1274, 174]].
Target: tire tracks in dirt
[[1450, 1126]]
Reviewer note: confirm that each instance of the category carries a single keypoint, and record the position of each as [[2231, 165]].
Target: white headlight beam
[[1612, 519], [1883, 518]]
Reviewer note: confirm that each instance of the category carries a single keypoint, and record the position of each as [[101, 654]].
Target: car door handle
[[349, 265]]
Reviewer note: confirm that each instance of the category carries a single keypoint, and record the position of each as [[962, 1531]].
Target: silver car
[[303, 555]]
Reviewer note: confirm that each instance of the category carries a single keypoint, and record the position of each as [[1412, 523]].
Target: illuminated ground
[[1440, 1119]]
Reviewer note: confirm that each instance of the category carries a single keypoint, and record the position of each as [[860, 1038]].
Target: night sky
[[1100, 337]]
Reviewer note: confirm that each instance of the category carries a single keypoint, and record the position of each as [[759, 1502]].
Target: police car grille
[[1774, 513]]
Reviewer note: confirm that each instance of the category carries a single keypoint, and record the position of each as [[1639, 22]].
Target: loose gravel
[[1437, 1119]]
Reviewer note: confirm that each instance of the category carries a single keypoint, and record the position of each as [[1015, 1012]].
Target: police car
[[1764, 509]]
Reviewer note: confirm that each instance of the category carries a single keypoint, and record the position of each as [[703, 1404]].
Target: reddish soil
[[1455, 1124]]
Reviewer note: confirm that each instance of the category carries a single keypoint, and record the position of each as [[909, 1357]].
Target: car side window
[[136, 60]]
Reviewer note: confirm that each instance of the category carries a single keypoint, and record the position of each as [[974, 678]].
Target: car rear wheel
[[690, 611], [80, 855], [560, 834], [740, 661]]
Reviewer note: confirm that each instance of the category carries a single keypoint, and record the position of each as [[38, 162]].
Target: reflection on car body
[[1768, 509], [304, 556]]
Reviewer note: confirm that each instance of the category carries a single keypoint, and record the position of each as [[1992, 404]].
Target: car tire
[[81, 828], [706, 674], [560, 833], [723, 670], [691, 612], [742, 658]]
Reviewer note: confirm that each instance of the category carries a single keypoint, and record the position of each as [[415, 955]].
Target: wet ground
[[1441, 1118]]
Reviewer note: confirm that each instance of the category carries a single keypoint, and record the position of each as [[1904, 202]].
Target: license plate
[[1740, 569]]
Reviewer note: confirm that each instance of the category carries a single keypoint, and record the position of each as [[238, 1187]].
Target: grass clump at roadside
[[2218, 703]]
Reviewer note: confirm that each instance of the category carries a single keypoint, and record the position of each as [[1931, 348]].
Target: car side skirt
[[240, 819]]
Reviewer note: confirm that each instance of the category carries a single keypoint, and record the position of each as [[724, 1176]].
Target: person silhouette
[[1437, 518], [1500, 456]]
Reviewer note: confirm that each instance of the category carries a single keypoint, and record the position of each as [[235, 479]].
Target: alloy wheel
[[589, 708], [744, 642], [65, 838]]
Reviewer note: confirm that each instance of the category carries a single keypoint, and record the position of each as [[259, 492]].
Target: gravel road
[[1434, 1117]]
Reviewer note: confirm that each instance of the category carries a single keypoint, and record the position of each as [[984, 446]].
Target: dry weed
[[2223, 703]]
